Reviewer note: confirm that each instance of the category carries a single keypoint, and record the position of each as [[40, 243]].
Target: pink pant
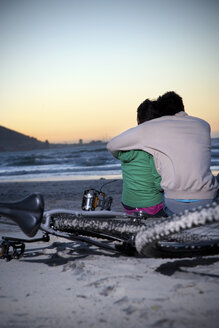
[[150, 210]]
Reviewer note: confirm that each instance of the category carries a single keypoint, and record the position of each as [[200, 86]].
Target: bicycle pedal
[[12, 250]]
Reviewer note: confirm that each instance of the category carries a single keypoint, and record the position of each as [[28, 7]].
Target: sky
[[78, 69]]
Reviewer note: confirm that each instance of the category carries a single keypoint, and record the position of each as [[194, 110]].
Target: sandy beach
[[68, 284]]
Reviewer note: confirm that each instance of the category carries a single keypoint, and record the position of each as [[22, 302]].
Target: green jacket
[[141, 182]]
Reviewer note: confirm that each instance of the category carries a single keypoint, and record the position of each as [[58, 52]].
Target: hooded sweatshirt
[[180, 145]]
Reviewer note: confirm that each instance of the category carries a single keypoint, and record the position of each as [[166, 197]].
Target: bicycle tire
[[146, 240], [115, 226]]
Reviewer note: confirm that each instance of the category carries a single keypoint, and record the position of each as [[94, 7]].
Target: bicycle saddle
[[27, 213]]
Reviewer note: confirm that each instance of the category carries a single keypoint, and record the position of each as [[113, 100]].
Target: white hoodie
[[181, 146]]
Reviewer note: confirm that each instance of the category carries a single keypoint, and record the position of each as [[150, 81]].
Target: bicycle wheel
[[161, 238], [151, 236]]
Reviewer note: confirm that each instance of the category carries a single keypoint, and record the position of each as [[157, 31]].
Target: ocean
[[70, 163]]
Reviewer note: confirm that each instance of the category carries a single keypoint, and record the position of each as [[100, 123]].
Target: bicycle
[[133, 235]]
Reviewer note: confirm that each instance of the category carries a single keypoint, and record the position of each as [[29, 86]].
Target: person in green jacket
[[141, 182]]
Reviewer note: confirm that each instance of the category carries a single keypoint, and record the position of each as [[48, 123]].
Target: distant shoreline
[[56, 145], [11, 140]]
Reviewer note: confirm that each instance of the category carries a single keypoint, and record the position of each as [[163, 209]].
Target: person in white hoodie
[[180, 145]]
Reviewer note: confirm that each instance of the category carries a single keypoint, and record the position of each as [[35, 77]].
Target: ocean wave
[[59, 170], [59, 156], [69, 161]]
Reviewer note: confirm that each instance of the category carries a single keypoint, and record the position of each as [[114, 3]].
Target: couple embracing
[[165, 159]]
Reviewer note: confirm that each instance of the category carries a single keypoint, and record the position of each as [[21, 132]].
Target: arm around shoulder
[[125, 141]]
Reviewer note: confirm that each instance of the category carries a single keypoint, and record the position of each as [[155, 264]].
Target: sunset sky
[[73, 69]]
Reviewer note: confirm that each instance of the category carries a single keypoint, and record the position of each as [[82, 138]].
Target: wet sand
[[67, 284]]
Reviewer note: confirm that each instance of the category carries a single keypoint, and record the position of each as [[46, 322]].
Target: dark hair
[[170, 103], [148, 110]]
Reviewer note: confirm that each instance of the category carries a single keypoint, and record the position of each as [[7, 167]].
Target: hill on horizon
[[11, 140]]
